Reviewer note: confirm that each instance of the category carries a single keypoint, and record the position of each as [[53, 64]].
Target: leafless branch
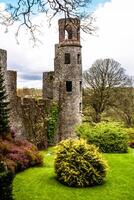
[[24, 11]]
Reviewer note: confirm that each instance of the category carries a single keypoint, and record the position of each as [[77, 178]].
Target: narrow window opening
[[80, 107], [66, 35], [51, 77], [67, 58], [69, 86], [78, 58], [69, 34], [80, 85], [78, 34]]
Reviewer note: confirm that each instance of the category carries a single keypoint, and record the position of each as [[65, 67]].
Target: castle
[[63, 86]]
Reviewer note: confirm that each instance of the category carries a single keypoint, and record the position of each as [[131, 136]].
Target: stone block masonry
[[67, 78], [27, 116], [63, 86]]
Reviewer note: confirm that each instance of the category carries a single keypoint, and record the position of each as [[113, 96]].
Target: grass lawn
[[39, 183]]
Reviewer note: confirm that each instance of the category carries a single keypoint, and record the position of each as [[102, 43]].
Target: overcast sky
[[114, 39]]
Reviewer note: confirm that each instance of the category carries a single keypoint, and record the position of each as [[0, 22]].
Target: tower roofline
[[63, 20]]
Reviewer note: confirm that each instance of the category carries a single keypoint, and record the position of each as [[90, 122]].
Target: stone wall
[[34, 114], [69, 102], [16, 120], [48, 78], [3, 60], [28, 117]]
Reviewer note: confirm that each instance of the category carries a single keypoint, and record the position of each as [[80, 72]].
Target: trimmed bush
[[79, 164], [109, 137]]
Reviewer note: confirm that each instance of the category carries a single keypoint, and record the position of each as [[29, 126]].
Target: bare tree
[[103, 79], [24, 11]]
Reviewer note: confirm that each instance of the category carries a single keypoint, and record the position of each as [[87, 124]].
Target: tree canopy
[[102, 80]]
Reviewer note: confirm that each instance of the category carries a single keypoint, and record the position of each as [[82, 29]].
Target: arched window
[[68, 33]]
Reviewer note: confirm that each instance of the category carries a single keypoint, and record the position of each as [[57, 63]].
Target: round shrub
[[109, 137], [79, 164]]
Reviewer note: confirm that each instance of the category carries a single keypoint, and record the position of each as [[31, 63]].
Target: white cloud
[[116, 35], [115, 40]]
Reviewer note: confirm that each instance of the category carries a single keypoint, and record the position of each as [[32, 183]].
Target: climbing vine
[[52, 122]]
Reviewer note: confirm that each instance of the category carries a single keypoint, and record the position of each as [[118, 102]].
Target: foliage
[[109, 137], [124, 105], [19, 155], [101, 81], [40, 183], [4, 127], [6, 179], [52, 122], [78, 164], [130, 132]]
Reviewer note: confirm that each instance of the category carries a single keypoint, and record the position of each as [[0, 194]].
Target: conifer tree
[[4, 110]]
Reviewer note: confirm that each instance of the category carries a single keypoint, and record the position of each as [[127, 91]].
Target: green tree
[[4, 110]]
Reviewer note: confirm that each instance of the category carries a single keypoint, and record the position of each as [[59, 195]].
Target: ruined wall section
[[3, 60], [16, 120], [48, 78], [15, 105], [35, 120]]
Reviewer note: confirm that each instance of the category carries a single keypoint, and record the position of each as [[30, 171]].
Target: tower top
[[69, 32]]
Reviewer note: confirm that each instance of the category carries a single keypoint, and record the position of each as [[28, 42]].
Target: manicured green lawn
[[40, 183]]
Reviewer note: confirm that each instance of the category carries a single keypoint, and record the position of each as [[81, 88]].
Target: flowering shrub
[[19, 155]]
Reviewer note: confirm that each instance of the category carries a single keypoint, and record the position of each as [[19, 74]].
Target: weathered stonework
[[63, 86], [3, 60], [69, 101], [28, 118], [48, 85]]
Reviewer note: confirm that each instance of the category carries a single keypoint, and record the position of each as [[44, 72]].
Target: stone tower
[[64, 85]]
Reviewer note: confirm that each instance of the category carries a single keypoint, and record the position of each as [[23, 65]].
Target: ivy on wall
[[52, 122]]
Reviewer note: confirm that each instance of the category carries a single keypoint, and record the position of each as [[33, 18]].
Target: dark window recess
[[78, 58], [80, 107], [70, 34], [80, 85], [51, 77], [67, 58], [78, 34], [69, 86]]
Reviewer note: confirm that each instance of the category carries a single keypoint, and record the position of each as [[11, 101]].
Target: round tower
[[68, 77]]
